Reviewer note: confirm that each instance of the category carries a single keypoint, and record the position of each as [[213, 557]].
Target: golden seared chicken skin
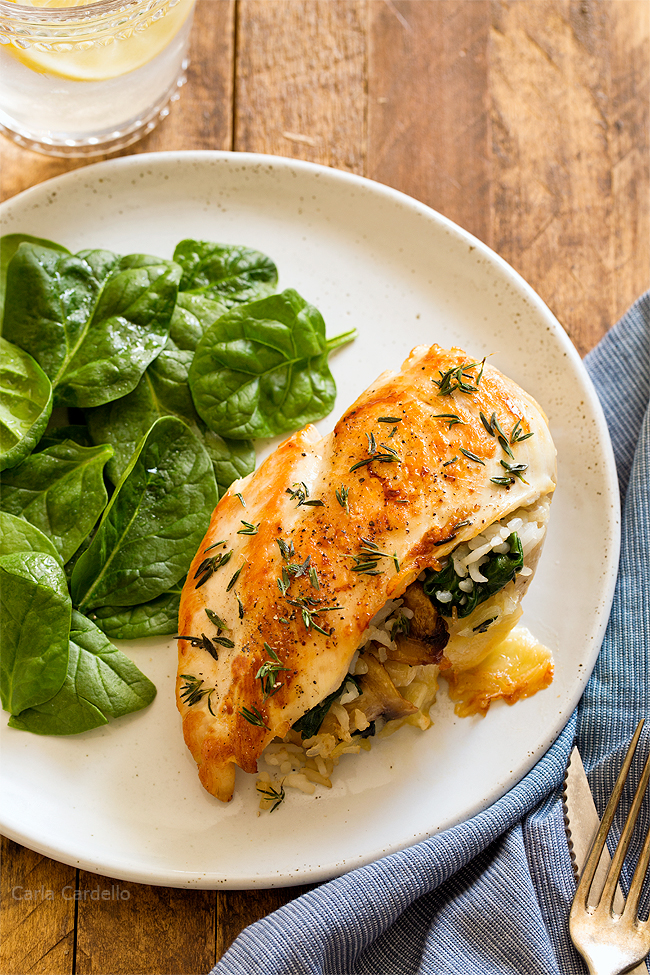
[[301, 554]]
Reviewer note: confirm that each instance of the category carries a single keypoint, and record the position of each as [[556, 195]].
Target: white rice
[[302, 766]]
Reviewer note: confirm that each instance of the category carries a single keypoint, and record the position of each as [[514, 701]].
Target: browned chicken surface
[[300, 555]]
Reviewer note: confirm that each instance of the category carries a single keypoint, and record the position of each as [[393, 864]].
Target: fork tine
[[632, 903], [586, 880], [623, 844]]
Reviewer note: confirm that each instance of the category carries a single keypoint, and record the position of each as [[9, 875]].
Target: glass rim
[[80, 12]]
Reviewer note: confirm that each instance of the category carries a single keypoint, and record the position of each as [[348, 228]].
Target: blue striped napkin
[[492, 895]]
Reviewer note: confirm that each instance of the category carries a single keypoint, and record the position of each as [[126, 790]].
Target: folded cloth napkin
[[493, 895]]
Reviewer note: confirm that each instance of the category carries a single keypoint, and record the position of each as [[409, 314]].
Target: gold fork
[[613, 943]]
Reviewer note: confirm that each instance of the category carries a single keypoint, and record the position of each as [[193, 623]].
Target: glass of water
[[85, 77]]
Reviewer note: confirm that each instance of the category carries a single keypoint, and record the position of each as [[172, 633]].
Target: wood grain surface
[[526, 122]]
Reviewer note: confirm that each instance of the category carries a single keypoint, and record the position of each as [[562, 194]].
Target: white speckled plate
[[125, 800]]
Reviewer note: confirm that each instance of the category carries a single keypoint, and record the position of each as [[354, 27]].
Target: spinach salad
[[131, 390]]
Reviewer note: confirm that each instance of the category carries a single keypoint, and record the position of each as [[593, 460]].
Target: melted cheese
[[517, 666]]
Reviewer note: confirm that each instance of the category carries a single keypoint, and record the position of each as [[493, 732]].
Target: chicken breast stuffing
[[301, 554]]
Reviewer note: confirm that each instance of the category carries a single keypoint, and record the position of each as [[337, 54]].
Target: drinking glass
[[84, 77]]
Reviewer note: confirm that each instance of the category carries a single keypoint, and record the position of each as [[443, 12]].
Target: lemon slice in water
[[100, 62]]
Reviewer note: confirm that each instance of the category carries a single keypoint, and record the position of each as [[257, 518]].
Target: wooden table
[[526, 122]]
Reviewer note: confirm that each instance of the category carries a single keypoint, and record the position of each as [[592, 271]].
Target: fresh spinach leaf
[[156, 618], [94, 320], [163, 391], [101, 683], [499, 570], [193, 316], [19, 535], [60, 490], [262, 369], [35, 607], [311, 721], [77, 432], [226, 272], [153, 524], [25, 403], [9, 244]]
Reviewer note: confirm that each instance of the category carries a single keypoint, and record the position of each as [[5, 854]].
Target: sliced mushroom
[[427, 636], [379, 696]]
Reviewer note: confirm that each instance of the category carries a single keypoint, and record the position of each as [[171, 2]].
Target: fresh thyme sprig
[[456, 378], [254, 717], [389, 457], [210, 565], [307, 606], [271, 794], [452, 417], [300, 492], [193, 691], [495, 429], [342, 497], [517, 436], [268, 672], [367, 560], [516, 470]]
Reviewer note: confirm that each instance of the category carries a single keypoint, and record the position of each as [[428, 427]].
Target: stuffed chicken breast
[[338, 579]]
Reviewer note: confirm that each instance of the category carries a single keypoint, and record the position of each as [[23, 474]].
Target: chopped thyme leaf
[[223, 641], [241, 498], [241, 608], [505, 481], [269, 793], [342, 497], [218, 622], [313, 578], [456, 378], [254, 717], [234, 579], [506, 446], [486, 423], [222, 542], [389, 419], [268, 672], [448, 462], [249, 529], [203, 642], [301, 493], [388, 458], [471, 456], [193, 691], [287, 551], [210, 565]]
